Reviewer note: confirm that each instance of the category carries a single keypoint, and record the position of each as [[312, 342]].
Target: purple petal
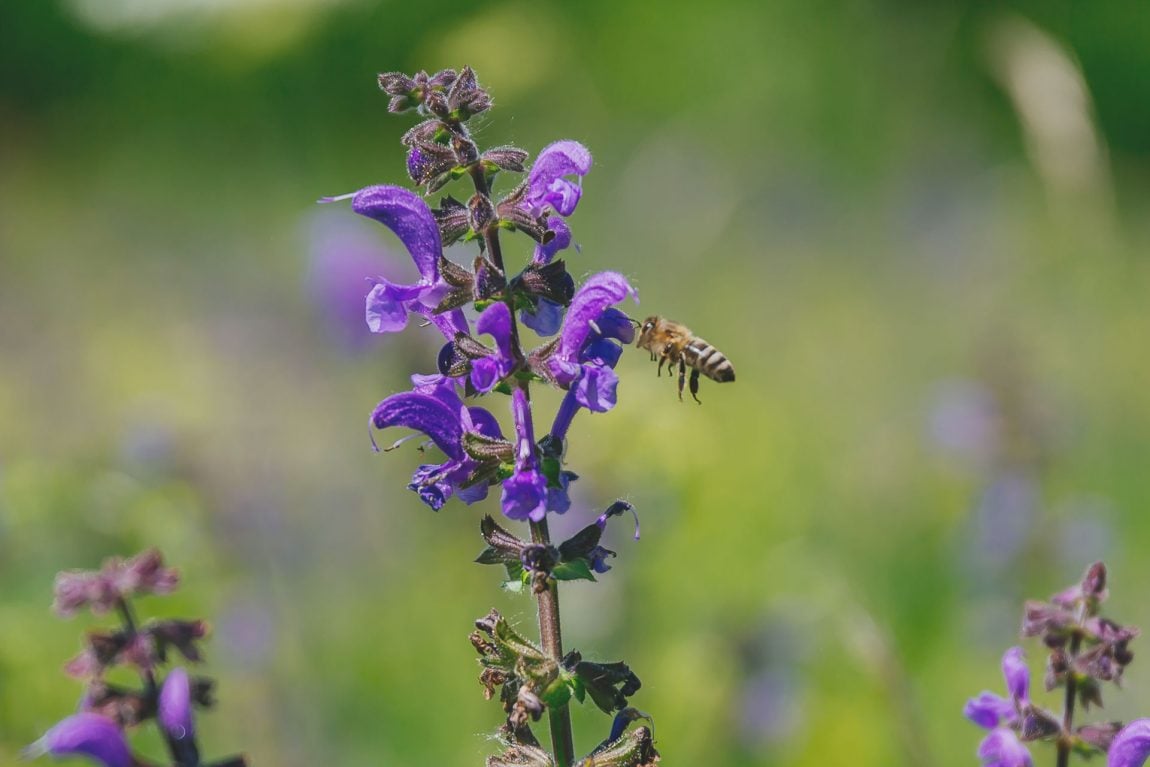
[[485, 373], [1002, 748], [1017, 674], [564, 415], [524, 429], [615, 324], [406, 214], [558, 498], [603, 352], [422, 413], [599, 292], [450, 323], [386, 306], [428, 483], [439, 386], [525, 496], [87, 734], [545, 181], [1131, 746], [561, 241], [478, 420], [473, 494], [989, 710], [175, 705], [496, 322], [595, 388], [546, 320]]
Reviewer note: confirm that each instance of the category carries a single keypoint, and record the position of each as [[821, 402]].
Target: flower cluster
[[480, 307], [484, 352], [1085, 650], [107, 711]]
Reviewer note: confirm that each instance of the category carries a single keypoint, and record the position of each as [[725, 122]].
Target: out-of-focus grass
[[844, 200]]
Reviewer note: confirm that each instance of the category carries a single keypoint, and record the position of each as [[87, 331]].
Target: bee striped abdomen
[[709, 361]]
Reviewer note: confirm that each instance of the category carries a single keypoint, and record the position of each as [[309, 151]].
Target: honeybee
[[673, 343]]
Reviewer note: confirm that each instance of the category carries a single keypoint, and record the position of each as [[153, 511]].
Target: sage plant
[[481, 308], [1084, 651], [108, 711]]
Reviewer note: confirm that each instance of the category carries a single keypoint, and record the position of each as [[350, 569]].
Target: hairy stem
[[1065, 742], [131, 630], [559, 718], [550, 633]]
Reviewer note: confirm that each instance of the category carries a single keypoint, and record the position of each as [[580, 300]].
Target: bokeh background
[[920, 231]]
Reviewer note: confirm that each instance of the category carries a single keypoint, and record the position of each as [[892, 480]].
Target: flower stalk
[[586, 335]]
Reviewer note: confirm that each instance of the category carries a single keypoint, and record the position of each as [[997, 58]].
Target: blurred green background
[[920, 232]]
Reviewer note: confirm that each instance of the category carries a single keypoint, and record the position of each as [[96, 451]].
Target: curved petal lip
[[405, 213], [423, 413]]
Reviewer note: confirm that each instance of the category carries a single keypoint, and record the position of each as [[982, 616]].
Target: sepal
[[609, 684], [1099, 735], [633, 749]]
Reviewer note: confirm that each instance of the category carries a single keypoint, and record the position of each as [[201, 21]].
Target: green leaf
[[575, 570], [490, 557]]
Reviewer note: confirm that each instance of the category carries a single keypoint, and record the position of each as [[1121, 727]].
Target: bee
[[672, 343]]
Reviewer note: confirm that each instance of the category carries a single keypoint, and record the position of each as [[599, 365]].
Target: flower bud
[[480, 212]]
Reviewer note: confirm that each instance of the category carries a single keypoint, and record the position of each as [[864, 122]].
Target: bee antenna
[[634, 322]]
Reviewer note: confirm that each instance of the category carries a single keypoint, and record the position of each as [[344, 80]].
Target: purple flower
[[435, 409], [587, 349], [486, 372], [85, 734], [989, 710], [546, 183], [388, 303], [544, 252], [175, 705], [1131, 746], [525, 491], [1002, 748], [545, 320]]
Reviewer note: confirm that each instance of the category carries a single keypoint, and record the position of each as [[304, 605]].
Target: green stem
[[551, 634], [1066, 741]]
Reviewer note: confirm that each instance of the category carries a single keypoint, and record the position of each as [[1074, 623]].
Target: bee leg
[[661, 361], [682, 376], [695, 386]]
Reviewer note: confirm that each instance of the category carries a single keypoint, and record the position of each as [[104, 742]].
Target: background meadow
[[920, 232]]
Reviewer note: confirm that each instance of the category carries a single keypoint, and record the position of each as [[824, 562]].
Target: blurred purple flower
[[175, 705], [1004, 517], [1131, 746], [88, 735], [1001, 747], [344, 254], [964, 421]]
